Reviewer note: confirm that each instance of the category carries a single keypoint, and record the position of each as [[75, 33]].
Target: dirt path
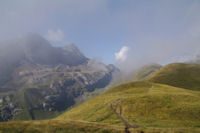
[[149, 89], [119, 115]]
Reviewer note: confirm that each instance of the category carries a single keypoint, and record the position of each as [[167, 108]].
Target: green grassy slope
[[145, 72], [57, 126], [179, 75], [63, 126], [143, 103]]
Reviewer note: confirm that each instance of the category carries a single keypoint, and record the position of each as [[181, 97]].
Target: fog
[[147, 32]]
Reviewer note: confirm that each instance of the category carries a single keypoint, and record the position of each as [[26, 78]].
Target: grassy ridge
[[66, 126], [145, 72], [56, 126], [143, 103], [179, 75]]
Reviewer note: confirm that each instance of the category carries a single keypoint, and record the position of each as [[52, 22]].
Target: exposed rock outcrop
[[41, 79]]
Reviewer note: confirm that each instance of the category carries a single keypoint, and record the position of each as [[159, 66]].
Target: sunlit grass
[[145, 104], [179, 75]]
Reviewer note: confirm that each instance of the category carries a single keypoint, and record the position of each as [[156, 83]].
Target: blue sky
[[160, 31]]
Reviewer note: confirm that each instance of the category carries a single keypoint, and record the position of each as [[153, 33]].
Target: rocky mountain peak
[[50, 78]]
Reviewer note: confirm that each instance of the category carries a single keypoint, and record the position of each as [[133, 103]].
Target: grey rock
[[49, 78]]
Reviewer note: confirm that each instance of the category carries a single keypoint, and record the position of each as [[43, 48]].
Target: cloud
[[55, 36], [161, 32], [122, 54]]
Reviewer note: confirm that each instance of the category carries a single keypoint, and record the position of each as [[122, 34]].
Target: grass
[[154, 107], [143, 103], [145, 72], [57, 126], [179, 75], [67, 126], [160, 104]]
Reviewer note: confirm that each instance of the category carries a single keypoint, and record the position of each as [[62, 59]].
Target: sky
[[122, 32]]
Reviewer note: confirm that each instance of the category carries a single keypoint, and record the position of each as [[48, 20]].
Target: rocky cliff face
[[42, 80]]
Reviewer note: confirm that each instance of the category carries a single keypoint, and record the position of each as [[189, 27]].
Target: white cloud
[[55, 36], [122, 54]]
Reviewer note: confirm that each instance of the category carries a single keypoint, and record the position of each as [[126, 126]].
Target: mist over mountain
[[34, 48], [99, 66], [195, 59], [38, 80]]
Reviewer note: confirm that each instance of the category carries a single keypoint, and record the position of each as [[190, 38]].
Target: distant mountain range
[[39, 81]]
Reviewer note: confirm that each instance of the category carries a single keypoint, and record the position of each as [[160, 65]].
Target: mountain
[[145, 72], [141, 103], [39, 81], [179, 75], [35, 49]]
